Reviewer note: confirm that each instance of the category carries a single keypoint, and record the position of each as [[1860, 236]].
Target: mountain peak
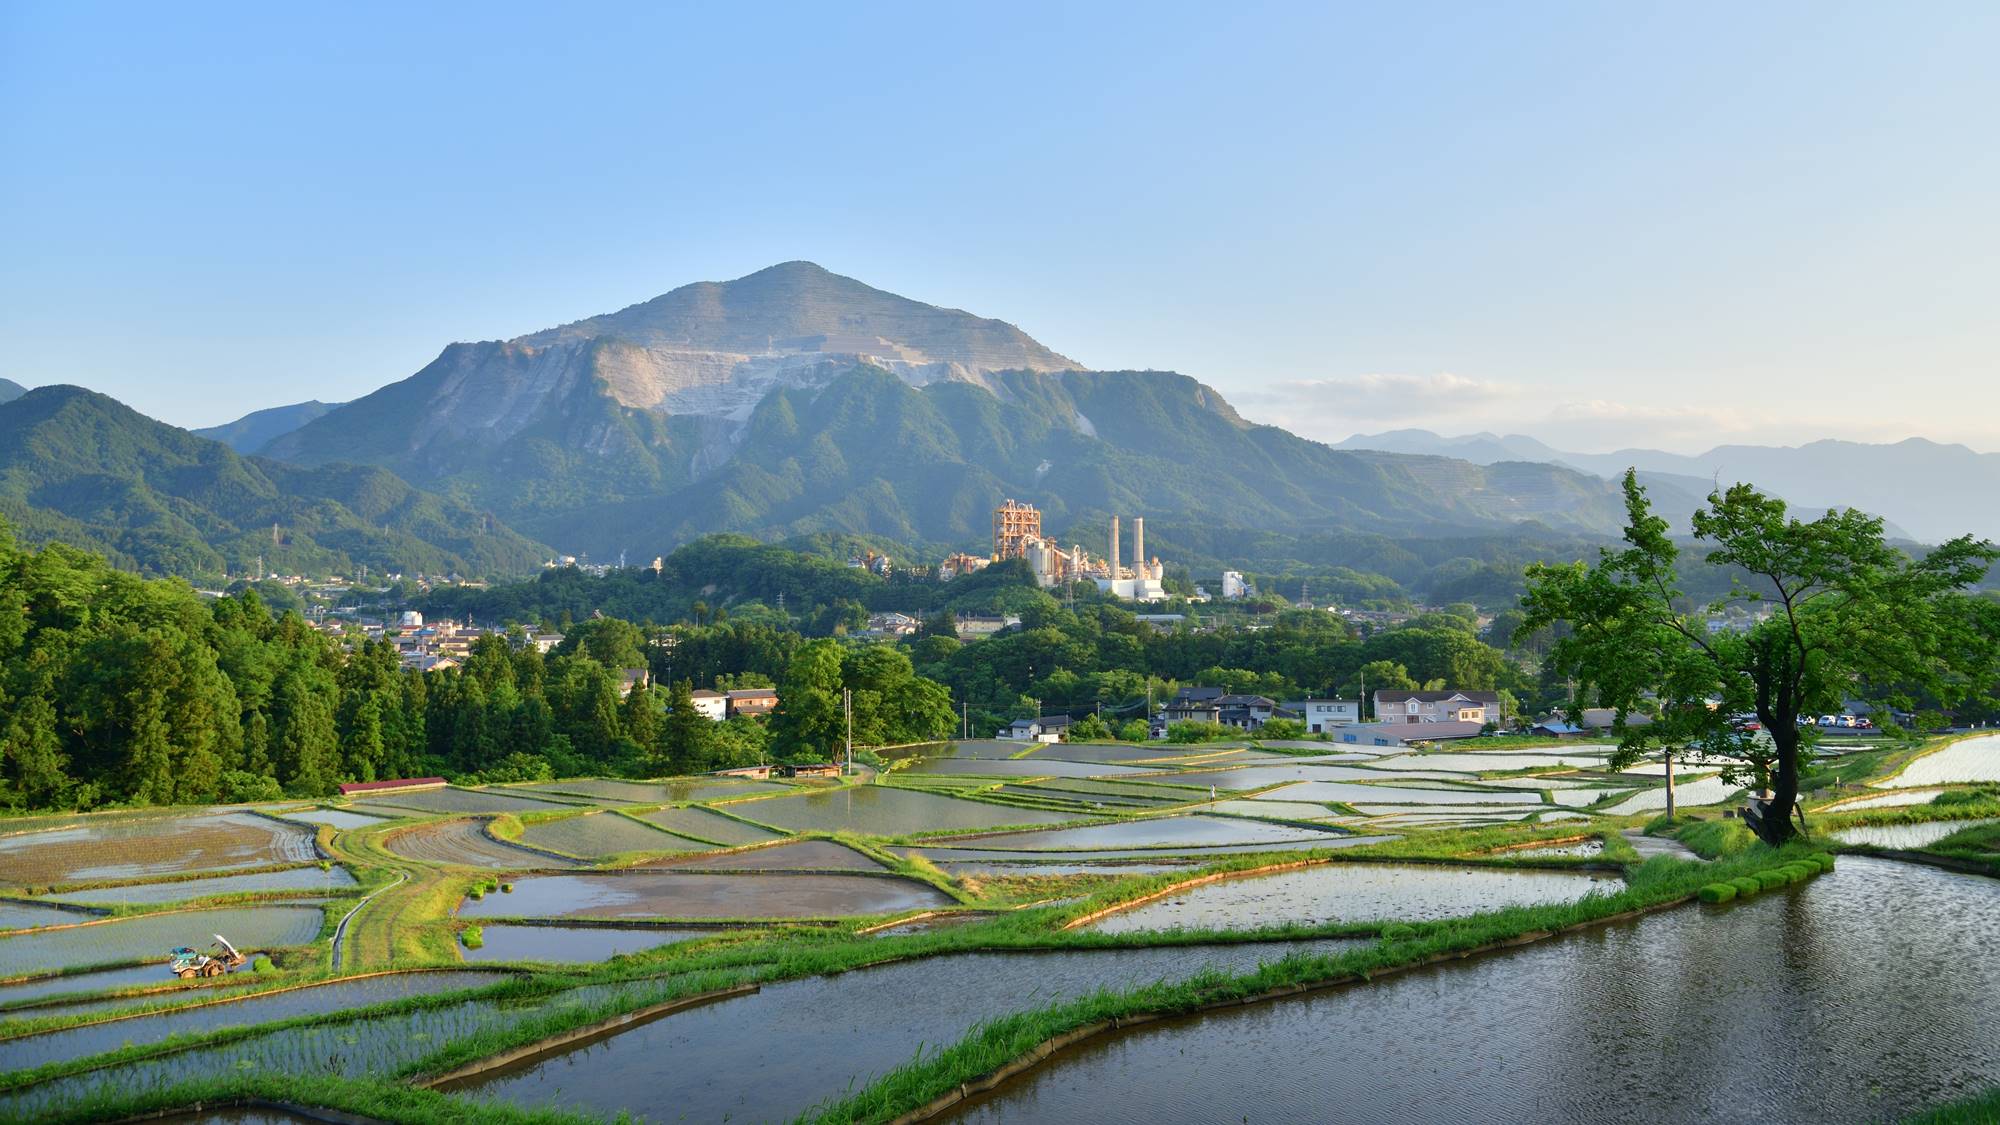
[[10, 390]]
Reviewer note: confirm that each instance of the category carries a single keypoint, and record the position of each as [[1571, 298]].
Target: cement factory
[[1017, 534]]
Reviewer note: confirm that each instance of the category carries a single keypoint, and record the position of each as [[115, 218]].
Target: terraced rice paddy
[[650, 894], [570, 944], [709, 827], [96, 1038], [125, 849], [802, 855], [1968, 760], [466, 843], [1258, 777], [1354, 893], [1706, 791], [1022, 767], [837, 1031], [883, 810], [332, 880], [968, 854], [336, 818], [151, 935], [1353, 793], [455, 800], [1157, 832], [671, 791], [1490, 760], [1907, 836], [373, 1045], [18, 915], [1892, 799], [98, 980], [596, 835]]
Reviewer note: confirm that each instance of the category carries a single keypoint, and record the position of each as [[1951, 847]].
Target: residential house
[[1047, 728], [1194, 705], [393, 785], [1597, 719], [752, 701], [755, 773], [1322, 715], [1556, 728], [1437, 707], [712, 705], [1244, 712], [631, 679]]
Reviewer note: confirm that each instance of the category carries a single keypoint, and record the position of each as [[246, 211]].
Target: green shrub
[[263, 964], [1745, 886], [1821, 860], [1800, 870], [1770, 877], [508, 888], [477, 891], [1717, 892], [473, 936]]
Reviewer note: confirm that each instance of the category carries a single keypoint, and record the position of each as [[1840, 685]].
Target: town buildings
[[1322, 715]]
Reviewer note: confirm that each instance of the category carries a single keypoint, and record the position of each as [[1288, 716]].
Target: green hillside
[[83, 468]]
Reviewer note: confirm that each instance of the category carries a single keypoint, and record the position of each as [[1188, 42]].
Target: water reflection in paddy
[[1356, 892], [1798, 1005], [772, 1055]]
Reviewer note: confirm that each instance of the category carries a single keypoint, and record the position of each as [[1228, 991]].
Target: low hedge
[[1770, 877], [1717, 892], [1745, 886]]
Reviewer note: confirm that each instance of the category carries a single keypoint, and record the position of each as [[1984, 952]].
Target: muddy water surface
[[696, 895]]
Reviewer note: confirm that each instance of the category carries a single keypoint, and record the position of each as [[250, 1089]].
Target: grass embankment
[[405, 925], [1979, 1109], [382, 1101], [1658, 882]]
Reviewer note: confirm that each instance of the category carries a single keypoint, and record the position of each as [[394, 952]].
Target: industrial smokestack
[[1139, 546], [1114, 547]]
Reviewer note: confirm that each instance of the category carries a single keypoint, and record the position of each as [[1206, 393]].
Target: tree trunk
[[1775, 828]]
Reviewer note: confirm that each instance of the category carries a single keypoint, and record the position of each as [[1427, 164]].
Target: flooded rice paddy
[[1706, 791], [1156, 832], [1907, 835], [452, 799], [596, 835], [16, 914], [374, 1045], [335, 818], [1974, 759], [97, 980], [1355, 892], [1353, 793], [334, 878], [774, 1054], [1895, 798], [1023, 767], [882, 810], [660, 894], [671, 791], [709, 827], [802, 855], [468, 844], [1099, 855], [91, 1039], [570, 944], [125, 849], [1797, 1005], [151, 935]]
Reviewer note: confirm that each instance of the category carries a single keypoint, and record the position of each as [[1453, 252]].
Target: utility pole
[[1670, 784], [847, 709], [964, 719]]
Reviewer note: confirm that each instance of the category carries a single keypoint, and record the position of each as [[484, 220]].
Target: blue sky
[[1603, 224]]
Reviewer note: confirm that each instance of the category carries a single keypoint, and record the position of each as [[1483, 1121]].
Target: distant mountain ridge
[[1927, 490], [795, 401], [10, 390], [86, 469], [258, 428]]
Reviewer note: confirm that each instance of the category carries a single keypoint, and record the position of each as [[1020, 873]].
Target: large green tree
[[1838, 612]]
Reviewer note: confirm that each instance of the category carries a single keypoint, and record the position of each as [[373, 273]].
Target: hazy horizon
[[1652, 226]]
